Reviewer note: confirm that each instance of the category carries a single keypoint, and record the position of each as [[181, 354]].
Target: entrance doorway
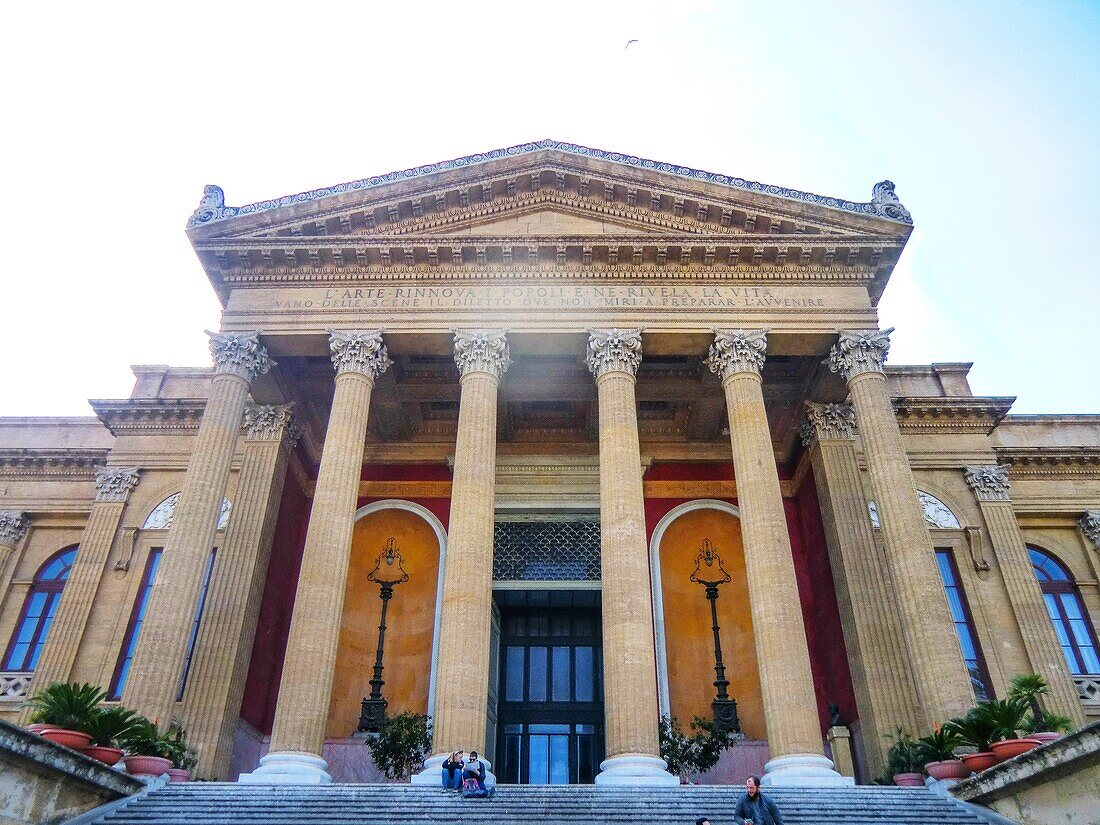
[[550, 711]]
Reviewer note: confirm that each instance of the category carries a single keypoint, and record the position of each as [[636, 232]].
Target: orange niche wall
[[410, 620], [689, 643]]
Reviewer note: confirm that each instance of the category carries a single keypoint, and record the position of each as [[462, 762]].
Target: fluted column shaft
[[158, 661], [942, 682], [991, 487], [783, 655], [310, 661], [880, 672], [223, 647], [113, 487]]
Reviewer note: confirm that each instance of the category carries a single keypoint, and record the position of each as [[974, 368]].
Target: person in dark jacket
[[756, 808], [474, 769], [452, 772]]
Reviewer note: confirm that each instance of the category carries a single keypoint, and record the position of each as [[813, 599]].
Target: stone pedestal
[[840, 745], [786, 682], [463, 672], [153, 682], [310, 661], [991, 487], [630, 660], [940, 675]]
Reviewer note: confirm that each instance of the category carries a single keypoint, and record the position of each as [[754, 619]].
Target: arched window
[[38, 611], [937, 515], [1067, 612], [161, 516]]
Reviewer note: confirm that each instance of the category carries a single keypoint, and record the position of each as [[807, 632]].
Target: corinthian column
[[158, 661], [630, 660], [942, 682], [310, 660], [991, 487], [215, 685], [13, 526], [779, 635], [463, 676], [880, 672], [113, 487]]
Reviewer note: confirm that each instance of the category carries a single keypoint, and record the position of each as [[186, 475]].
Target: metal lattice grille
[[546, 551]]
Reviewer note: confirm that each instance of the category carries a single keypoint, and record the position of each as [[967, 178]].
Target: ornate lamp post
[[710, 573], [388, 572]]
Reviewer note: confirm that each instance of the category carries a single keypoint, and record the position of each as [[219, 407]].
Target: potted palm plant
[[937, 751], [108, 727], [1008, 716], [183, 757], [66, 710], [903, 762], [1040, 725], [148, 751], [977, 730]]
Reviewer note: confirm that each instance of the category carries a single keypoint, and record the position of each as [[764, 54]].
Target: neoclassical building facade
[[547, 444]]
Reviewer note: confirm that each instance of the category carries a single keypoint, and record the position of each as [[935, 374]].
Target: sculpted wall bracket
[[614, 350], [361, 351], [989, 483], [827, 422], [240, 355], [1090, 526], [115, 483], [482, 350], [737, 350], [13, 526], [859, 351]]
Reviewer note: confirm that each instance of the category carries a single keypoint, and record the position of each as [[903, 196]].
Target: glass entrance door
[[550, 716]]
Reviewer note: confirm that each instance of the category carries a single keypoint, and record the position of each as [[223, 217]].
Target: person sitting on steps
[[452, 772], [474, 769]]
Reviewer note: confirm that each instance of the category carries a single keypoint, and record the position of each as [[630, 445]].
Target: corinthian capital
[[13, 526], [267, 422], [115, 483], [737, 350], [1090, 526], [614, 350], [827, 422], [361, 351], [482, 350], [989, 483], [240, 355], [859, 351]]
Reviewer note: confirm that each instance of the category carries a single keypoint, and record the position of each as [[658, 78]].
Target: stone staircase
[[210, 803]]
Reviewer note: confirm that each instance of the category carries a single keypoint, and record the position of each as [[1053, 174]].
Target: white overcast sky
[[115, 115]]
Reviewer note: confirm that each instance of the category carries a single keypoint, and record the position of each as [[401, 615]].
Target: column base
[[288, 768], [432, 772], [635, 769], [803, 770]]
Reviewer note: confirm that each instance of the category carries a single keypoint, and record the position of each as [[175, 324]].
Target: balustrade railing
[[14, 685], [1088, 688]]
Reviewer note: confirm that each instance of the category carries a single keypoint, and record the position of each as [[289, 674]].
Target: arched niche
[[412, 619], [937, 515], [160, 517], [685, 648]]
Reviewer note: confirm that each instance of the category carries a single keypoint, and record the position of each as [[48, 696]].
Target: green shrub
[[904, 755], [69, 706], [401, 745], [144, 739], [696, 753], [109, 726], [1028, 687], [939, 745]]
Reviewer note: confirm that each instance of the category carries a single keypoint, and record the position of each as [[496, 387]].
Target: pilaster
[[942, 682], [991, 486]]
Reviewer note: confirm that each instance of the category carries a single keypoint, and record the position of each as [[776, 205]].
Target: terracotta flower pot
[[179, 775], [38, 727], [1045, 736], [909, 780], [978, 762], [148, 765], [948, 769], [1008, 748], [75, 739], [104, 754]]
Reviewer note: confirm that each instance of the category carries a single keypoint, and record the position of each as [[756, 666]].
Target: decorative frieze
[[267, 422], [989, 483], [13, 526], [859, 351], [1090, 526], [240, 355], [115, 483], [359, 351], [482, 350], [614, 350], [737, 350], [827, 422]]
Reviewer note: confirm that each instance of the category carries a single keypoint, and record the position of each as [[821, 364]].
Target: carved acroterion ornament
[[482, 350], [361, 351], [614, 350], [240, 355], [885, 202], [859, 351], [737, 350]]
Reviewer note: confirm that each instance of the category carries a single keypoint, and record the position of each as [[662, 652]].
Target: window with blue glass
[[38, 611], [133, 627], [195, 625], [964, 626], [1067, 612]]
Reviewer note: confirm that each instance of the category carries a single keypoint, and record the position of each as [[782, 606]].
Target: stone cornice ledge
[[1043, 462], [1072, 753], [933, 414], [131, 416], [51, 462]]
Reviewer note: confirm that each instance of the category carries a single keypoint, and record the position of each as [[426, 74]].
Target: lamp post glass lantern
[[388, 572], [710, 573]]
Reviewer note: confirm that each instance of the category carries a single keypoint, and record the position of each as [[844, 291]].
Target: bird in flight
[[628, 42]]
